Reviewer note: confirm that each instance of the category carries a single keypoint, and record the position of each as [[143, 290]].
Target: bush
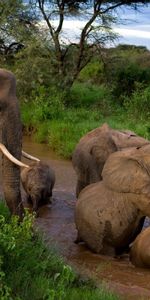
[[48, 103], [139, 104], [86, 95], [126, 78]]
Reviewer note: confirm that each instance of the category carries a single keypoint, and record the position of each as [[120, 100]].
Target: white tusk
[[11, 157], [26, 155]]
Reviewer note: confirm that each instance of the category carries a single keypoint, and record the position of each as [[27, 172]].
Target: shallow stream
[[56, 221]]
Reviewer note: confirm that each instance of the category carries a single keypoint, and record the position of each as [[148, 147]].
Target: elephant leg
[[80, 186], [29, 199], [35, 203], [108, 250]]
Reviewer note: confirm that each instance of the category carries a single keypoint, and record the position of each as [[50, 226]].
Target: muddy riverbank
[[56, 221]]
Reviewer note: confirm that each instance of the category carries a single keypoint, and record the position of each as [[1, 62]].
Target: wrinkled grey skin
[[108, 213], [38, 181], [95, 147], [11, 137], [140, 249]]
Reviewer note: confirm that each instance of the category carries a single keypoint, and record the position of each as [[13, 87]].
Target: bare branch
[[41, 7], [61, 17]]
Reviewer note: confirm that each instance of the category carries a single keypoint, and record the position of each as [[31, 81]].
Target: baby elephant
[[140, 249], [38, 181]]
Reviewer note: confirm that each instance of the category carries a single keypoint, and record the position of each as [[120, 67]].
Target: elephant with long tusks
[[38, 178], [11, 137], [109, 213], [94, 148]]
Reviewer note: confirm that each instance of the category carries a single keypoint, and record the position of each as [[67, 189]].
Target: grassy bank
[[63, 133], [61, 122], [30, 270]]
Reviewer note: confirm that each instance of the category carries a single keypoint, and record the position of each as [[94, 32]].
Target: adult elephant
[[108, 213], [11, 137], [95, 147], [39, 174]]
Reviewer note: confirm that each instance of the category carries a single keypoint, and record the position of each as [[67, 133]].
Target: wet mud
[[56, 221]]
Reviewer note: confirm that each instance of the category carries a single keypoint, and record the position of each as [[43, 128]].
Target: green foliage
[[89, 95], [63, 134], [92, 72], [17, 26], [125, 66], [126, 77], [138, 105], [48, 104], [4, 210], [14, 240], [32, 68], [87, 294], [30, 270]]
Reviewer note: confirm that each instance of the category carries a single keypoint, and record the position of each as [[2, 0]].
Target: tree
[[16, 26], [70, 58]]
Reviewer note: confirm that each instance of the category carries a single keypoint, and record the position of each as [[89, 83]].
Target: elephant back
[[126, 138], [128, 171]]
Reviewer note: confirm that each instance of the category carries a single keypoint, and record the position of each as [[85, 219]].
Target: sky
[[134, 30], [137, 28]]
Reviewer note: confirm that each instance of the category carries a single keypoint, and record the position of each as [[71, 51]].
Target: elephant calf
[[38, 178], [140, 249], [38, 181]]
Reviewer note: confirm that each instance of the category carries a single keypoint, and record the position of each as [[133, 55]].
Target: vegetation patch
[[31, 270]]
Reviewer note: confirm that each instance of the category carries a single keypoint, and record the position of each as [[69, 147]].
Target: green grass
[[31, 270], [88, 107], [63, 134], [87, 95]]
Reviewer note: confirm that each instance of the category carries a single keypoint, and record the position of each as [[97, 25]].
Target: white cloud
[[138, 34], [126, 32]]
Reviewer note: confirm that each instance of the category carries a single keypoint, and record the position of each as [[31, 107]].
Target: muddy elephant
[[11, 137], [140, 249], [95, 147], [109, 213], [38, 181]]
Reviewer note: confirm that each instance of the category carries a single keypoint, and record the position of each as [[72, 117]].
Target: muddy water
[[57, 223]]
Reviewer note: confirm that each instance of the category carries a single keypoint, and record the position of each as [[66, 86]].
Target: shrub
[[86, 95], [125, 79], [139, 104]]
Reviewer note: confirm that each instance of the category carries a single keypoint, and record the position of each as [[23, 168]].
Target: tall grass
[[63, 130]]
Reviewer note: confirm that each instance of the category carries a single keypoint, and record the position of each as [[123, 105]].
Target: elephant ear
[[102, 148], [128, 171]]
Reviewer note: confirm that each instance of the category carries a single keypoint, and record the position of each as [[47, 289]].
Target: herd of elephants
[[113, 181]]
